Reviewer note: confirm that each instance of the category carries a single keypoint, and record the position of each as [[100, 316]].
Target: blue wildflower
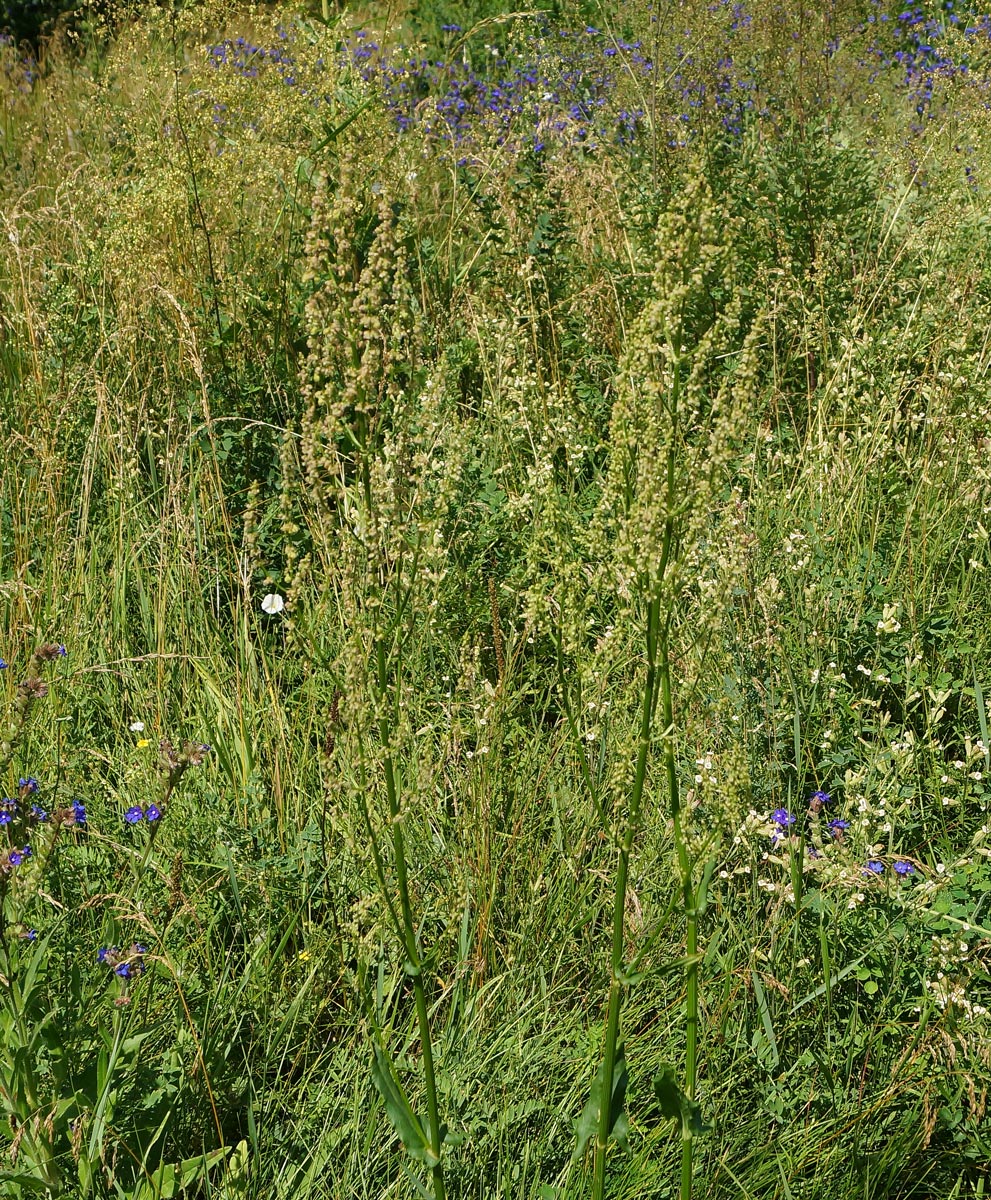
[[15, 858], [875, 866], [152, 812], [27, 785], [79, 812], [3, 665], [38, 813], [904, 868], [134, 814], [819, 799], [782, 817], [837, 827]]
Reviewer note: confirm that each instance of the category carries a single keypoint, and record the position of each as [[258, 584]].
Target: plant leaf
[[675, 1105], [405, 1122], [588, 1123]]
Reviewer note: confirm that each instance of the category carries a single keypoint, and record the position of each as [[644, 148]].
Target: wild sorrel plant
[[360, 428], [676, 426]]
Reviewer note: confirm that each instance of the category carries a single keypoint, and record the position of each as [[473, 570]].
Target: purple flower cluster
[[783, 819], [564, 86], [126, 964], [563, 89], [10, 810], [246, 59], [901, 868], [723, 88], [15, 857], [913, 46], [916, 48], [136, 813], [728, 90]]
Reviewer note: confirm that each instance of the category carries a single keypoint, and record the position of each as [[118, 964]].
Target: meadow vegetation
[[494, 590]]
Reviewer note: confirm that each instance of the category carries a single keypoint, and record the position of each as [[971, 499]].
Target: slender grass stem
[[690, 901]]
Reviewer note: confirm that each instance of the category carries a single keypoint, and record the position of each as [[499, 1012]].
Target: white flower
[[273, 603], [137, 727]]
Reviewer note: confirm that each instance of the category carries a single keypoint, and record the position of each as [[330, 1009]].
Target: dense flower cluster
[[245, 58], [728, 88], [10, 809], [127, 963], [562, 89], [922, 47]]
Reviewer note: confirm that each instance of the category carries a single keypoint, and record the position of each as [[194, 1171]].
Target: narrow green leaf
[[982, 718], [405, 1122], [22, 1180], [765, 1017]]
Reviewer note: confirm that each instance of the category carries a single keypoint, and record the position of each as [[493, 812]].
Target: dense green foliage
[[553, 454]]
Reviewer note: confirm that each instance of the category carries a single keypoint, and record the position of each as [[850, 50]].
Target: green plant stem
[[415, 966], [690, 900], [619, 903]]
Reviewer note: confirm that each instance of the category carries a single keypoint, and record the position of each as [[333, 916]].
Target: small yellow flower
[[142, 742], [304, 956]]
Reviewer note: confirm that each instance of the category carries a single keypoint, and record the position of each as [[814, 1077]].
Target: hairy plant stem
[[414, 962]]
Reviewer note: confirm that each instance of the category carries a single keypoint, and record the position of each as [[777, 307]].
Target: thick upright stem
[[619, 904]]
